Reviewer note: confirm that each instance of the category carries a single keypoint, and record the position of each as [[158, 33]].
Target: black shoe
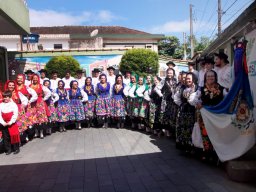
[[8, 152], [16, 151]]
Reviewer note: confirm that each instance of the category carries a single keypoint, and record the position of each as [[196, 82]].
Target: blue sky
[[169, 17]]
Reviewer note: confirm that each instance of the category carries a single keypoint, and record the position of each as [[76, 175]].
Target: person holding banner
[[211, 94]]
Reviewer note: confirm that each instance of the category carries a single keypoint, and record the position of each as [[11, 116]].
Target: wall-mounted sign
[[31, 38]]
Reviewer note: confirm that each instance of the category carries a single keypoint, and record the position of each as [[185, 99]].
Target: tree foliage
[[171, 46], [140, 61], [61, 64], [168, 45]]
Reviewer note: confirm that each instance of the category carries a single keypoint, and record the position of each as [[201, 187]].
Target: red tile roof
[[86, 30]]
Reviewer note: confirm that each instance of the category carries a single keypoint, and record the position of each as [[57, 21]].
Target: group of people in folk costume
[[170, 106]]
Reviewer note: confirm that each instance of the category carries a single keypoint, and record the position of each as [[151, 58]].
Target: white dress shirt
[[27, 82], [54, 83], [8, 108], [42, 80], [224, 76], [81, 82], [67, 82], [127, 81], [201, 77]]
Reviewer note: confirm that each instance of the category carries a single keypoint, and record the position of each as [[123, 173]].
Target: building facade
[[83, 37]]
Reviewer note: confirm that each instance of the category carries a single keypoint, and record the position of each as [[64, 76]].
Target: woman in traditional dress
[[210, 95], [118, 111], [52, 115], [103, 102], [155, 106], [169, 85], [32, 97], [140, 107], [186, 116], [89, 106], [39, 107], [129, 98], [146, 101], [63, 107], [21, 102], [77, 97]]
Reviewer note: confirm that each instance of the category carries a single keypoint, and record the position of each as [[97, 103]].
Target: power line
[[230, 17], [210, 18], [246, 4], [200, 21], [224, 12]]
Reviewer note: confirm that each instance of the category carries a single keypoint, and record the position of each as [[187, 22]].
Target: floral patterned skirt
[[39, 113], [22, 119], [140, 108], [129, 105], [206, 141], [89, 108], [76, 110], [103, 106], [53, 112], [118, 106], [185, 124], [63, 111]]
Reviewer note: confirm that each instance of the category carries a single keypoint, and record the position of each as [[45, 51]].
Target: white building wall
[[48, 44], [12, 42]]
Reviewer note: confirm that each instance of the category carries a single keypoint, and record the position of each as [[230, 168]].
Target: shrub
[[61, 64], [140, 61]]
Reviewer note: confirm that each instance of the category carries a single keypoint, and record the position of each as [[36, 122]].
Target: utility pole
[[185, 46], [219, 17], [191, 30]]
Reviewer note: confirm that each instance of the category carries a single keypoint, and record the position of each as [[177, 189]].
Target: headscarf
[[62, 83], [91, 91], [49, 84], [7, 83], [103, 75], [72, 82], [38, 82], [23, 77]]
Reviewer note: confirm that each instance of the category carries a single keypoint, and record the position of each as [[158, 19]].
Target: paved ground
[[109, 160]]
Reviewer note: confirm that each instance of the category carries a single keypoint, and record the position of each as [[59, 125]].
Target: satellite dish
[[94, 33]]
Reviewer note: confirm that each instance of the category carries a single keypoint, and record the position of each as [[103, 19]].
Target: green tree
[[62, 64], [168, 45], [140, 61], [199, 45]]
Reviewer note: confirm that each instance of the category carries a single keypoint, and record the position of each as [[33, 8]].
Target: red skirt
[[13, 129]]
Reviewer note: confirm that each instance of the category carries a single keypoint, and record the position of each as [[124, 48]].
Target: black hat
[[42, 71], [223, 56], [96, 70], [209, 60], [170, 63], [111, 67], [29, 72], [79, 71], [191, 63], [54, 71]]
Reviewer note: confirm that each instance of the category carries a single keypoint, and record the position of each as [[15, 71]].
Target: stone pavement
[[109, 160]]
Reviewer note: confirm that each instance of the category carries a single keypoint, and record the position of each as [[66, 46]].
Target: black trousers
[[7, 140]]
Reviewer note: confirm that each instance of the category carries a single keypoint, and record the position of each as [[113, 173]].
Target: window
[[148, 46], [57, 46]]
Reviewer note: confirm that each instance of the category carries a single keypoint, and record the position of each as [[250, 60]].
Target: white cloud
[[54, 18], [181, 26]]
